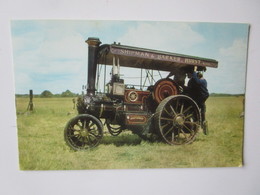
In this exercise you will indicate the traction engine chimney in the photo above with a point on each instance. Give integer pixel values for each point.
(93, 44)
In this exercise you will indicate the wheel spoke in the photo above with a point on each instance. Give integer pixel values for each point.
(179, 131)
(78, 142)
(93, 135)
(93, 129)
(173, 110)
(165, 125)
(187, 109)
(91, 125)
(168, 131)
(73, 135)
(93, 138)
(84, 124)
(191, 123)
(182, 105)
(72, 129)
(177, 104)
(166, 119)
(188, 116)
(96, 137)
(90, 140)
(84, 140)
(77, 124)
(164, 109)
(187, 128)
(94, 132)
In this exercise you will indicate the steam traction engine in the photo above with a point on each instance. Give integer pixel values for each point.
(161, 111)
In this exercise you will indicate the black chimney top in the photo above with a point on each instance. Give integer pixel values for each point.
(93, 44)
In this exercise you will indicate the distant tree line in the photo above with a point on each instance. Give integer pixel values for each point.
(68, 93)
(48, 94)
(225, 95)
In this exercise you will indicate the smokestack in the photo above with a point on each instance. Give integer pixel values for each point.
(93, 44)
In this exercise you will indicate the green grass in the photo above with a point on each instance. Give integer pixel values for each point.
(42, 146)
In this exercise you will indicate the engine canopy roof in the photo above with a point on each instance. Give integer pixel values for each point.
(136, 57)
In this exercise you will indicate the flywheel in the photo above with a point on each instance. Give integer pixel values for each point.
(164, 88)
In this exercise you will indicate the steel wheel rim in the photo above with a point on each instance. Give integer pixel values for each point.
(179, 120)
(83, 132)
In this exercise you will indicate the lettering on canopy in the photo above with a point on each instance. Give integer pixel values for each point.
(163, 57)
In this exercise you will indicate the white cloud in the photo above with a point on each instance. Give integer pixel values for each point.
(62, 55)
(231, 72)
(237, 51)
(50, 55)
(164, 36)
(66, 46)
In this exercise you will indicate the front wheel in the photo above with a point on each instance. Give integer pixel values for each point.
(177, 120)
(83, 132)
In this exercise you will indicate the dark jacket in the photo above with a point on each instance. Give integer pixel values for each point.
(197, 88)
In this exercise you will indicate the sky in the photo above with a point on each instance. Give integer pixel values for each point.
(52, 54)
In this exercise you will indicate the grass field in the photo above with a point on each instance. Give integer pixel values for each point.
(42, 146)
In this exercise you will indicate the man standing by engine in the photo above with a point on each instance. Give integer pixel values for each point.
(197, 90)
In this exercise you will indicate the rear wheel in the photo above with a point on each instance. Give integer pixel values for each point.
(83, 132)
(177, 120)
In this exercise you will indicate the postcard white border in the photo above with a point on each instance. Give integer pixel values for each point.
(237, 181)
